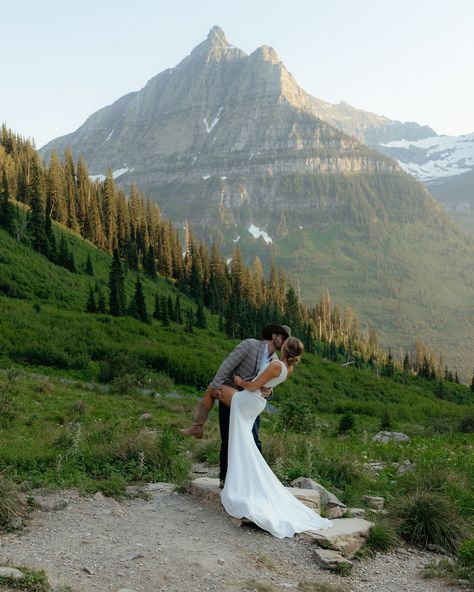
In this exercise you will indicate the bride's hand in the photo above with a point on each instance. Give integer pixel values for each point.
(237, 380)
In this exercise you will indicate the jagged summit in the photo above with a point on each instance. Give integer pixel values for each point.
(216, 37)
(216, 48)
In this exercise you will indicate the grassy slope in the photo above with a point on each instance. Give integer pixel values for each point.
(406, 280)
(68, 433)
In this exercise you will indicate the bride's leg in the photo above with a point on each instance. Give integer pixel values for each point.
(227, 392)
(200, 415)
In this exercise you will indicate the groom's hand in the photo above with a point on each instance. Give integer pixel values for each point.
(266, 391)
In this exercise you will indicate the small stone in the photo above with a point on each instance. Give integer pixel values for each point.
(88, 571)
(220, 561)
(145, 416)
(374, 502)
(136, 556)
(11, 572)
(16, 522)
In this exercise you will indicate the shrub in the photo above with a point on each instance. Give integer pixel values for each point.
(346, 423)
(385, 421)
(467, 424)
(11, 504)
(125, 384)
(32, 581)
(466, 554)
(296, 416)
(427, 517)
(382, 537)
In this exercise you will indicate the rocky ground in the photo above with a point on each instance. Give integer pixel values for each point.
(175, 542)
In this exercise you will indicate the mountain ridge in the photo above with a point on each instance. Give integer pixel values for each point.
(228, 140)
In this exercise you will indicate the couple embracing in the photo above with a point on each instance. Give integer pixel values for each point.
(242, 384)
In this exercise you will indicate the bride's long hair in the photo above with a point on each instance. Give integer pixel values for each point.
(293, 349)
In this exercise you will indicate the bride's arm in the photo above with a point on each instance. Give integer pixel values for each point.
(273, 370)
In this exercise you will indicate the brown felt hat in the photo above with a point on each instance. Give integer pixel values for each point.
(278, 329)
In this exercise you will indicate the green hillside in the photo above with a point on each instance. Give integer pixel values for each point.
(74, 388)
(407, 280)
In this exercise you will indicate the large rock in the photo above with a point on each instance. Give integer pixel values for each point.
(335, 508)
(347, 535)
(208, 488)
(385, 437)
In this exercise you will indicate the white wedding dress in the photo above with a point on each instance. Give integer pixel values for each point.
(251, 489)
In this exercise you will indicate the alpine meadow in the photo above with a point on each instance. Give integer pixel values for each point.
(139, 250)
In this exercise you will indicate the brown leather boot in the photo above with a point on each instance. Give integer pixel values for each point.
(200, 418)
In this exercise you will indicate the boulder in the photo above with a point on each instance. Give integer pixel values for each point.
(208, 488)
(329, 559)
(331, 503)
(385, 437)
(11, 572)
(374, 502)
(347, 535)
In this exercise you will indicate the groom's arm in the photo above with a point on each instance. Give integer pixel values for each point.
(234, 359)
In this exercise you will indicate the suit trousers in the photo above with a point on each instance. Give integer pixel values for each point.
(224, 420)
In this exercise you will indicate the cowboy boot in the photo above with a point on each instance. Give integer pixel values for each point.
(200, 418)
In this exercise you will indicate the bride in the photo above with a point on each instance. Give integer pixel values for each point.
(251, 489)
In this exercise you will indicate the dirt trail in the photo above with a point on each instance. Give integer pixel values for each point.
(174, 542)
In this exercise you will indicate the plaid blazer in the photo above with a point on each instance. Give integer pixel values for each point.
(245, 361)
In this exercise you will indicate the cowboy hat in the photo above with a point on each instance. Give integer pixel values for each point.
(269, 330)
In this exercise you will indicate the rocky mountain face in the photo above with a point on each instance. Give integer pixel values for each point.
(231, 143)
(225, 135)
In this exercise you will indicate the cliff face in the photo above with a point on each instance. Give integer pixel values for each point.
(219, 131)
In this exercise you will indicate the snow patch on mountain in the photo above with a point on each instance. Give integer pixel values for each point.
(214, 123)
(257, 233)
(436, 157)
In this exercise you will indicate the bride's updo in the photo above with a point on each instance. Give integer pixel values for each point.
(293, 349)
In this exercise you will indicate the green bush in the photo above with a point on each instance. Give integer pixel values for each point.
(11, 504)
(428, 518)
(32, 581)
(296, 416)
(466, 554)
(346, 423)
(382, 537)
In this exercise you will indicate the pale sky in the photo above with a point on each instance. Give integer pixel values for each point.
(411, 60)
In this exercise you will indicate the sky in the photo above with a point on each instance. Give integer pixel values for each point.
(410, 60)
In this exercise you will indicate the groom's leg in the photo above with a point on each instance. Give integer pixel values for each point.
(224, 420)
(255, 428)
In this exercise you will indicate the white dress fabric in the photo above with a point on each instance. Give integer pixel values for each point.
(251, 489)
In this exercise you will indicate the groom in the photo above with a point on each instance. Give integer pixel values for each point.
(245, 360)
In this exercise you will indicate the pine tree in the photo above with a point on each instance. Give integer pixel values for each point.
(101, 303)
(116, 286)
(472, 383)
(91, 305)
(70, 188)
(201, 317)
(165, 317)
(157, 310)
(189, 320)
(440, 390)
(149, 264)
(89, 268)
(171, 311)
(36, 219)
(7, 212)
(177, 310)
(140, 304)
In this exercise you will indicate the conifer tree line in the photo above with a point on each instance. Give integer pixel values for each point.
(131, 229)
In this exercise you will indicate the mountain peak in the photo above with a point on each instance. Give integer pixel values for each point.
(216, 38)
(216, 48)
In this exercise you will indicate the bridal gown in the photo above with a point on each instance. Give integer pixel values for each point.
(251, 489)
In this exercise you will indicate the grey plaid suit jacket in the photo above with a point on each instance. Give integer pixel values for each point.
(245, 361)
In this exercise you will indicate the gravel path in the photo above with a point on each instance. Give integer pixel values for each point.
(174, 542)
